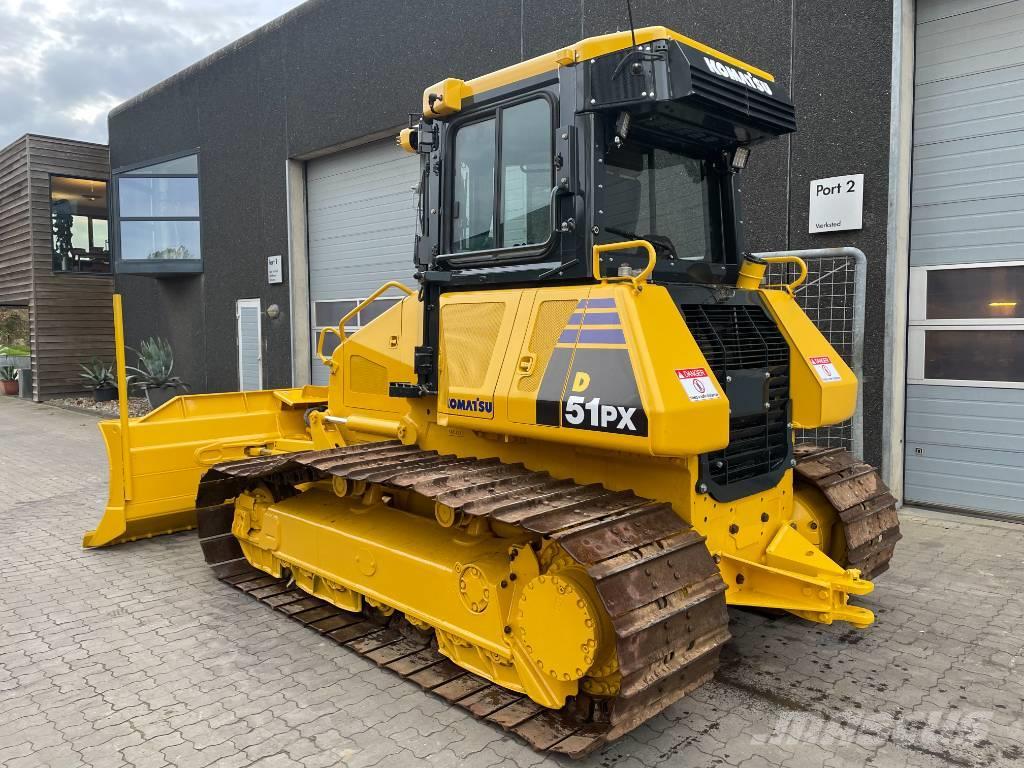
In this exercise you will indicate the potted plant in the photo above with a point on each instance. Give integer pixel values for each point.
(100, 378)
(154, 371)
(9, 380)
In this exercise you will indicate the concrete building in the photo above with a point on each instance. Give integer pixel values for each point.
(266, 176)
(55, 255)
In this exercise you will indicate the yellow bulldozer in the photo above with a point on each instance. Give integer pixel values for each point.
(534, 486)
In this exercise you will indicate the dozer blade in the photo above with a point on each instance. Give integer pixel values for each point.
(155, 473)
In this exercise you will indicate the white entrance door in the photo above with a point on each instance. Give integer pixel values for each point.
(250, 344)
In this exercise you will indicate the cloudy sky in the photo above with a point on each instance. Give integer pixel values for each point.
(65, 63)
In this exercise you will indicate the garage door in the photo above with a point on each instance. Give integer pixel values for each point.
(361, 224)
(965, 394)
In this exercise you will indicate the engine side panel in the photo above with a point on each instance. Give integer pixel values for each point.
(598, 366)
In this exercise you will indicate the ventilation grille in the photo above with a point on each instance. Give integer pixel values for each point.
(468, 335)
(367, 377)
(763, 110)
(744, 338)
(551, 319)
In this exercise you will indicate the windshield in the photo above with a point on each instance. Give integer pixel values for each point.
(660, 196)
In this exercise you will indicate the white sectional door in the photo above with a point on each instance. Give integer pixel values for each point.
(361, 221)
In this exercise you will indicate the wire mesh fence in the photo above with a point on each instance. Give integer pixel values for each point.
(830, 298)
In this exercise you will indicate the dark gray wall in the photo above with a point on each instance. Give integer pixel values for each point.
(333, 71)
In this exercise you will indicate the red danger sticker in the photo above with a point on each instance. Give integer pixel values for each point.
(824, 368)
(697, 384)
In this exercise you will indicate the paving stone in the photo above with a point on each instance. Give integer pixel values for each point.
(136, 656)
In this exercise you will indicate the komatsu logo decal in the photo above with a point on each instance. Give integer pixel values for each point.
(747, 79)
(470, 406)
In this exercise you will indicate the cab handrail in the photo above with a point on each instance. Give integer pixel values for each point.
(340, 330)
(788, 259)
(636, 280)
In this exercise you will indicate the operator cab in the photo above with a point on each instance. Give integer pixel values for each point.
(630, 136)
(633, 135)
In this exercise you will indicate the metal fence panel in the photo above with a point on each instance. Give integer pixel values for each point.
(833, 297)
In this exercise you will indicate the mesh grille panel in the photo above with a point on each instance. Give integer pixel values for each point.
(367, 377)
(551, 319)
(468, 334)
(742, 338)
(829, 297)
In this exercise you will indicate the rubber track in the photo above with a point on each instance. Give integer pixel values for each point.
(865, 507)
(654, 574)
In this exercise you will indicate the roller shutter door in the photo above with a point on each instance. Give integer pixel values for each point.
(965, 393)
(361, 228)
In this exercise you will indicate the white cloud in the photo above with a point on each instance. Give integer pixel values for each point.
(65, 63)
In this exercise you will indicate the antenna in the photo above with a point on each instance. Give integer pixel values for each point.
(632, 29)
(636, 68)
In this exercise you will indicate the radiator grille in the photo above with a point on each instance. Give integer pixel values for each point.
(737, 338)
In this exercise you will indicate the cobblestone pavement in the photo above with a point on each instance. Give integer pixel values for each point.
(136, 655)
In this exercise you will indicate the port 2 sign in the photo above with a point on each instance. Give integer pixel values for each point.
(837, 204)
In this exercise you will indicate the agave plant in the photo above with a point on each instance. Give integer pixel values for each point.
(156, 363)
(8, 373)
(98, 374)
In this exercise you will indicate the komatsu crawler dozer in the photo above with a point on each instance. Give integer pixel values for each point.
(534, 485)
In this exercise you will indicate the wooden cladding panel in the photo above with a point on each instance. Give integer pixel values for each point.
(70, 315)
(15, 225)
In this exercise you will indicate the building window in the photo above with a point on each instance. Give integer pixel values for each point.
(515, 147)
(328, 313)
(78, 218)
(158, 217)
(967, 325)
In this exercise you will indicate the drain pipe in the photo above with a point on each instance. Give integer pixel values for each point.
(860, 287)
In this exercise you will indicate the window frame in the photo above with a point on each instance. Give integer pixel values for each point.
(918, 326)
(499, 255)
(355, 323)
(110, 240)
(716, 217)
(155, 267)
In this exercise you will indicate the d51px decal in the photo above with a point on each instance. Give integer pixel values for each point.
(589, 381)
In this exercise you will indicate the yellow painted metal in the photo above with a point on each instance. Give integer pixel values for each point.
(751, 274)
(168, 449)
(801, 266)
(404, 140)
(657, 344)
(453, 91)
(795, 576)
(637, 280)
(816, 401)
(503, 332)
(340, 331)
(483, 593)
(369, 300)
(320, 343)
(122, 397)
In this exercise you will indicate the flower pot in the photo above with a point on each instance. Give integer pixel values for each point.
(157, 396)
(105, 394)
(9, 387)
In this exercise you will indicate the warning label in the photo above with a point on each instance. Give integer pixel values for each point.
(697, 384)
(824, 368)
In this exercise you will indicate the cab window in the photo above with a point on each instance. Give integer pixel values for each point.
(503, 177)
